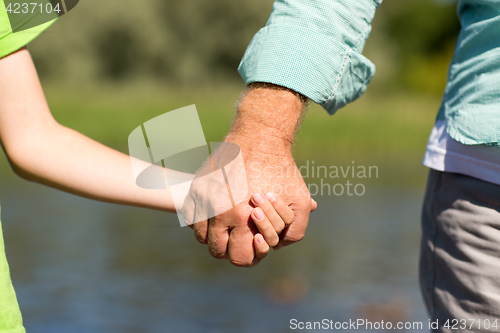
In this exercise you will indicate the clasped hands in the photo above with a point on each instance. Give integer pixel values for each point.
(275, 212)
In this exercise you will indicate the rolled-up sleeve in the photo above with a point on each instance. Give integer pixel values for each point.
(314, 47)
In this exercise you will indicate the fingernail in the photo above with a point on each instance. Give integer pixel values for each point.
(260, 238)
(258, 199)
(258, 213)
(270, 196)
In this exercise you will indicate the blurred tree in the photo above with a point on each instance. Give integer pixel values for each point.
(182, 42)
(211, 36)
(116, 51)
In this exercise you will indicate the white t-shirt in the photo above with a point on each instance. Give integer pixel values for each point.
(445, 154)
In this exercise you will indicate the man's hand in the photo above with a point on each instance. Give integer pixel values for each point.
(264, 129)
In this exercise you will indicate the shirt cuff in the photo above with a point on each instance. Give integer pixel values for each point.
(321, 68)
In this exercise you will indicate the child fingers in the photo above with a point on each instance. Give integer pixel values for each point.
(261, 247)
(286, 213)
(265, 226)
(260, 201)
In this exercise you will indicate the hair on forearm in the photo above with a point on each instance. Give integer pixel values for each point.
(264, 85)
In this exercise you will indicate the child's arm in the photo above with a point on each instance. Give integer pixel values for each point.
(41, 150)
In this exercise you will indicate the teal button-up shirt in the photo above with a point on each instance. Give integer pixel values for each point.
(314, 47)
(471, 102)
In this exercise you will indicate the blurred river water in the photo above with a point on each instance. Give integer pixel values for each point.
(81, 266)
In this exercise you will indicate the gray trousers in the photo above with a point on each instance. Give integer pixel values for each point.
(460, 253)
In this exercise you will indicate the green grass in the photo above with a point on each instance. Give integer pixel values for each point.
(388, 131)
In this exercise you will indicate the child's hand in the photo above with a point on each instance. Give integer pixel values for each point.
(271, 215)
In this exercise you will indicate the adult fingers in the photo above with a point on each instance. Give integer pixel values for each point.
(297, 230)
(200, 231)
(218, 238)
(240, 247)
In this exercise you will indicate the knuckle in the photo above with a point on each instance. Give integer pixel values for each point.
(216, 253)
(201, 240)
(242, 259)
(241, 263)
(241, 214)
(254, 263)
(295, 238)
(200, 236)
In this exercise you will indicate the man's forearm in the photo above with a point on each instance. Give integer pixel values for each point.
(267, 118)
(264, 128)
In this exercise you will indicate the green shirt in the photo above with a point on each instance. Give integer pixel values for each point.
(10, 41)
(10, 315)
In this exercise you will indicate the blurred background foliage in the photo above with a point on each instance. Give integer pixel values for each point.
(195, 42)
(108, 66)
(180, 42)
